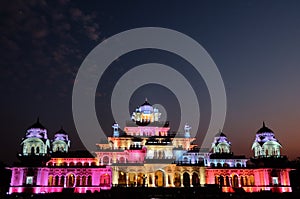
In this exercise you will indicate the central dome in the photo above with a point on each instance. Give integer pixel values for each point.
(146, 107)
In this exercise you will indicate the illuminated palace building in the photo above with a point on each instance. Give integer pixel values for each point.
(146, 154)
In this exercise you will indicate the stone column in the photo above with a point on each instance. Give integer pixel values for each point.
(153, 179)
(147, 179)
(202, 176)
(181, 179)
(58, 183)
(65, 181)
(171, 180)
(166, 180)
(115, 175)
(127, 179)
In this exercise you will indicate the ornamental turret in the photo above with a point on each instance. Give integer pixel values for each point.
(221, 144)
(35, 142)
(187, 129)
(116, 132)
(61, 142)
(265, 143)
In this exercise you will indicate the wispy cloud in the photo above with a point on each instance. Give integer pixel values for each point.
(44, 38)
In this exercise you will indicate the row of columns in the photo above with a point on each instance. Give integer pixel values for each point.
(66, 179)
(168, 179)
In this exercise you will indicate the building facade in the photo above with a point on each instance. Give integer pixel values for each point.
(146, 154)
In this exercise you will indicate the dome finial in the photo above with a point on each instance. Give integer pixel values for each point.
(264, 125)
(146, 100)
(38, 120)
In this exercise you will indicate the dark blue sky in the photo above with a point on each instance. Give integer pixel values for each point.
(255, 44)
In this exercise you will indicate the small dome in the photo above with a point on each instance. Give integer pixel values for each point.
(146, 103)
(220, 134)
(36, 125)
(264, 129)
(61, 131)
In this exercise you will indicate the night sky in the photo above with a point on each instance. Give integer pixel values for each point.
(255, 44)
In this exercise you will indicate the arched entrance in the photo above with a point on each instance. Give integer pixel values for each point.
(140, 179)
(131, 179)
(62, 180)
(50, 180)
(186, 179)
(235, 181)
(159, 178)
(122, 178)
(227, 181)
(70, 180)
(105, 180)
(221, 181)
(177, 182)
(195, 180)
(56, 181)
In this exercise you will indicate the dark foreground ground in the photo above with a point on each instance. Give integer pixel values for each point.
(138, 193)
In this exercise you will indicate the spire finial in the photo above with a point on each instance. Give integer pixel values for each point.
(146, 100)
(38, 120)
(264, 125)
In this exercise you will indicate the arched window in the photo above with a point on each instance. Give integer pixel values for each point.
(62, 180)
(83, 181)
(159, 178)
(217, 180)
(70, 180)
(56, 181)
(242, 181)
(89, 181)
(186, 179)
(37, 150)
(105, 180)
(150, 179)
(71, 164)
(251, 180)
(78, 181)
(221, 181)
(227, 182)
(79, 164)
(50, 180)
(105, 160)
(235, 181)
(122, 178)
(32, 150)
(185, 160)
(195, 180)
(177, 181)
(86, 164)
(121, 160)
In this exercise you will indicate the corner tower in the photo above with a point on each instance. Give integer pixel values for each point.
(35, 142)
